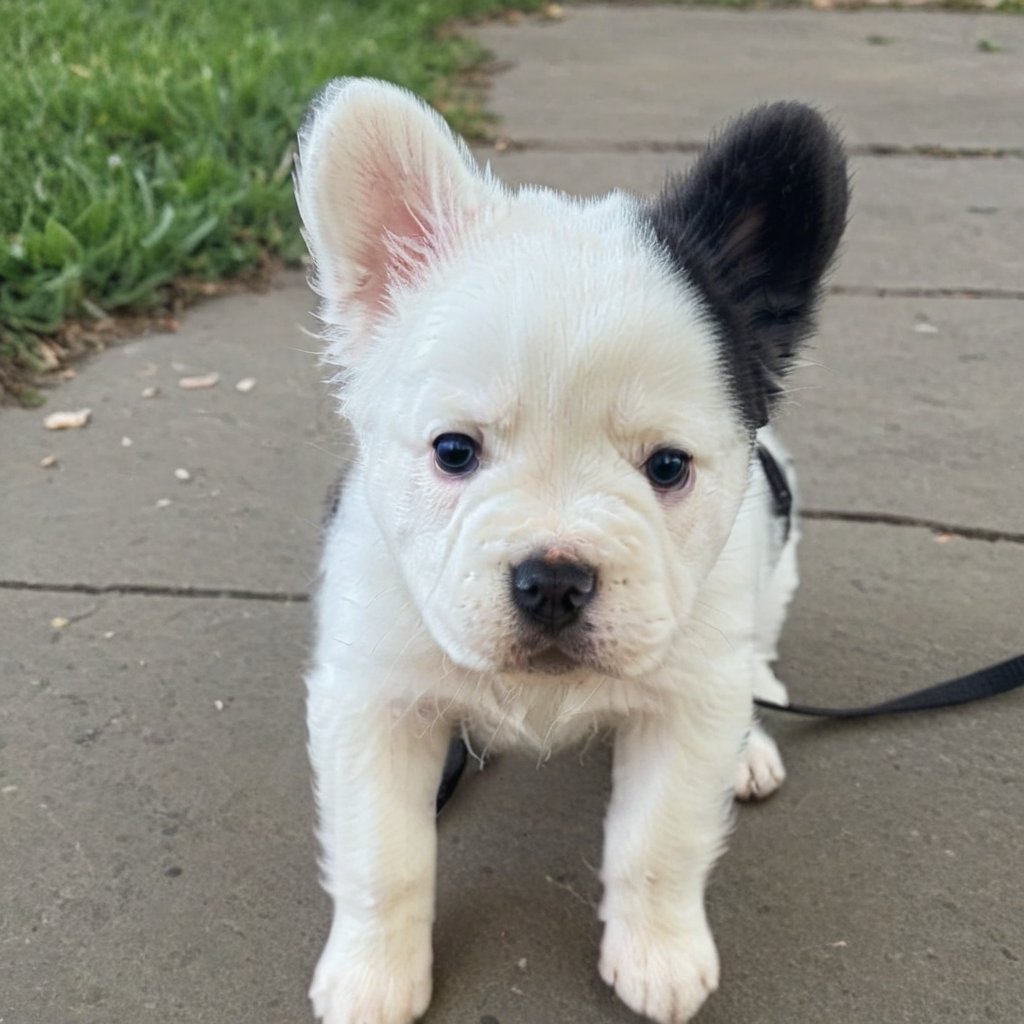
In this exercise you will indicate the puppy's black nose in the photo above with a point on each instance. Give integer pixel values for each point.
(552, 593)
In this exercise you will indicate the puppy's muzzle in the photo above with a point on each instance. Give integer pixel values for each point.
(553, 593)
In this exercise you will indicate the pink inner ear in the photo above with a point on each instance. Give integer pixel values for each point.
(401, 233)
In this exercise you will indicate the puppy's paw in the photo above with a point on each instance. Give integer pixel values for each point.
(663, 976)
(373, 978)
(760, 771)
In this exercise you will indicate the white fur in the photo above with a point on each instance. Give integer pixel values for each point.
(451, 304)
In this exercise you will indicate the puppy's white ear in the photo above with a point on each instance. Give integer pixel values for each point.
(384, 189)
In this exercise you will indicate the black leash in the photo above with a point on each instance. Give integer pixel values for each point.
(986, 682)
(454, 766)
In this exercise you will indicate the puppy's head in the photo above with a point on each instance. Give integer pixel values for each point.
(555, 400)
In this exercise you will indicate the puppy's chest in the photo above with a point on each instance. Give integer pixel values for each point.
(542, 714)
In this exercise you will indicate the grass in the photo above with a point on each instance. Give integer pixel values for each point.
(147, 141)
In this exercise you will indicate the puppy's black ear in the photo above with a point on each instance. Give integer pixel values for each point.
(754, 226)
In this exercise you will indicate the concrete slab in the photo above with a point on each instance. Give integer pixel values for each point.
(159, 859)
(915, 223)
(887, 418)
(156, 850)
(661, 73)
(259, 462)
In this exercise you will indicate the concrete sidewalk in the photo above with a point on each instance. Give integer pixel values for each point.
(156, 852)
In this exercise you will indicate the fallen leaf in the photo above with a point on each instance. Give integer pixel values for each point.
(67, 420)
(206, 380)
(68, 374)
(245, 385)
(48, 461)
(553, 12)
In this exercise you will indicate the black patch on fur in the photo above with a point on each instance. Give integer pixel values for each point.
(754, 226)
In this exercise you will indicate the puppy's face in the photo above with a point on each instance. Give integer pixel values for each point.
(549, 446)
(555, 401)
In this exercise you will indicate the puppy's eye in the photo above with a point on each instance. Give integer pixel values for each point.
(668, 468)
(456, 454)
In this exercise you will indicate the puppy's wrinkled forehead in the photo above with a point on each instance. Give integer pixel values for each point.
(558, 309)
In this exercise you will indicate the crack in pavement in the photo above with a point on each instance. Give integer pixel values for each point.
(932, 151)
(872, 291)
(895, 519)
(980, 533)
(159, 590)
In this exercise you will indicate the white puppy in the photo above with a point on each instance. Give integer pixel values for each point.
(558, 517)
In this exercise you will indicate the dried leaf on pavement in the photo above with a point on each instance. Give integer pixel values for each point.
(67, 420)
(206, 380)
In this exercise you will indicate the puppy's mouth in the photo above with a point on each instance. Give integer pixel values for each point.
(551, 661)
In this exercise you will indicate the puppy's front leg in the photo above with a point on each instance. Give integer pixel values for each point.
(377, 772)
(665, 827)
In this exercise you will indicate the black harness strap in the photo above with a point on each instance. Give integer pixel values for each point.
(782, 494)
(986, 682)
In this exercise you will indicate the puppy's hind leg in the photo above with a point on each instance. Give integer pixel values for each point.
(760, 771)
